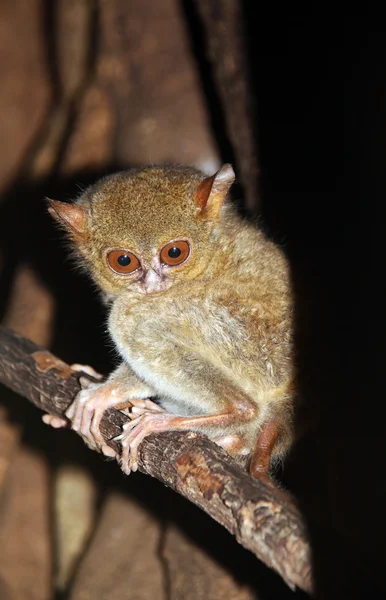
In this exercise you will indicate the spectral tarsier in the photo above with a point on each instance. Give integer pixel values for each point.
(200, 312)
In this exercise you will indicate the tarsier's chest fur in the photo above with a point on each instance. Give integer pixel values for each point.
(169, 338)
(200, 306)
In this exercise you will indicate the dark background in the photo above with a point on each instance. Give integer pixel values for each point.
(321, 121)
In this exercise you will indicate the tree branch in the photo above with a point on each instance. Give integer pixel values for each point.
(261, 518)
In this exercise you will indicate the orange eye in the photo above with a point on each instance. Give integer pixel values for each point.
(122, 262)
(175, 253)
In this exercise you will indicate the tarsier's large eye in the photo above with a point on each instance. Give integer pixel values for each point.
(122, 261)
(175, 253)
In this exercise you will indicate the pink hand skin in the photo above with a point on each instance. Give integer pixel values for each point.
(84, 415)
(87, 410)
(57, 422)
(144, 420)
(145, 417)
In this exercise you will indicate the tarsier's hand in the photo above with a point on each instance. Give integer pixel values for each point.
(86, 412)
(57, 422)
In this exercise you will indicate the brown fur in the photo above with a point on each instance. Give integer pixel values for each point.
(217, 338)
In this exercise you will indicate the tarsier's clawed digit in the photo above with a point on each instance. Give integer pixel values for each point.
(57, 422)
(200, 313)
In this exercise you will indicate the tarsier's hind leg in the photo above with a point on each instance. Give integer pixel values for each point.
(145, 422)
(259, 459)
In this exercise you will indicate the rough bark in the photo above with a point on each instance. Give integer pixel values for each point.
(261, 519)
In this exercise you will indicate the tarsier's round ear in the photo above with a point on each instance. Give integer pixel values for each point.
(72, 216)
(212, 191)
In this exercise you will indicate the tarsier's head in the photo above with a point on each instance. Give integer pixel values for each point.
(146, 229)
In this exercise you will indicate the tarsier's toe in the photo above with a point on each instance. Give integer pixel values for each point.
(143, 404)
(134, 432)
(125, 463)
(55, 422)
(129, 455)
(139, 406)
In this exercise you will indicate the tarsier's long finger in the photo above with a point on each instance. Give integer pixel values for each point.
(70, 412)
(55, 422)
(75, 412)
(86, 369)
(98, 413)
(85, 426)
(85, 383)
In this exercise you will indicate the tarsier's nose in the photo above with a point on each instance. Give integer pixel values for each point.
(151, 281)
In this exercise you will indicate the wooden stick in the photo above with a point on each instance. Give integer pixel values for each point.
(261, 518)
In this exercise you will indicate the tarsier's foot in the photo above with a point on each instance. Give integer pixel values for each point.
(57, 422)
(145, 420)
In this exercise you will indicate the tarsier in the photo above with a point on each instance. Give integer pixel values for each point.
(200, 312)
